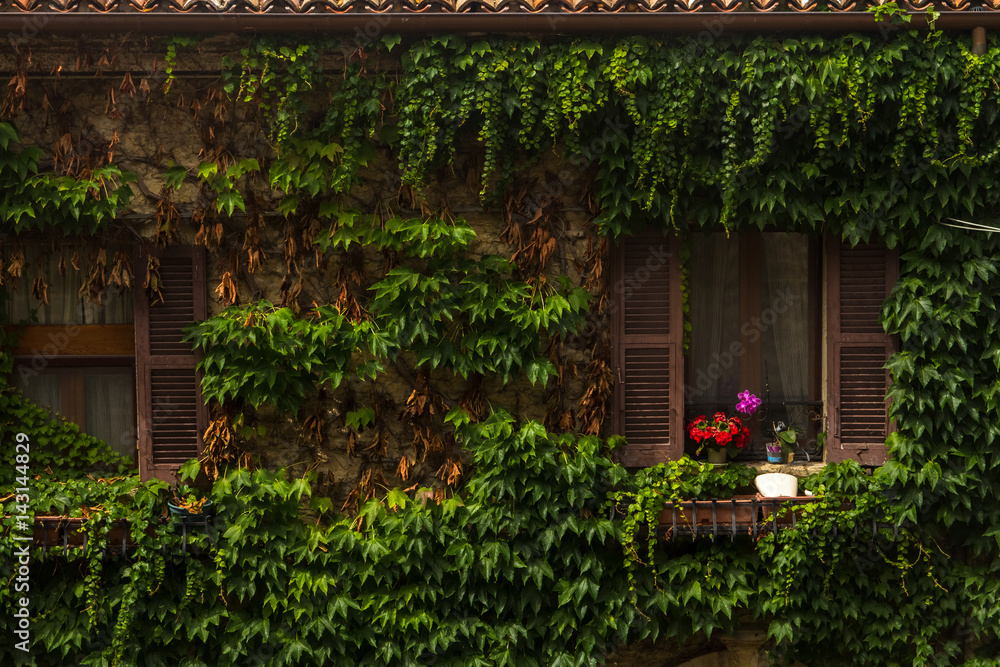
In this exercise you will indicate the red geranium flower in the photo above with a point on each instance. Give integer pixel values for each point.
(718, 432)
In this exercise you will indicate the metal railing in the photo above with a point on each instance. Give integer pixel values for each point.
(68, 533)
(748, 516)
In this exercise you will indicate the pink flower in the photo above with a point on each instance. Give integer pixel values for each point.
(748, 403)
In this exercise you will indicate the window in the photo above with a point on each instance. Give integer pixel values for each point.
(100, 399)
(794, 320)
(76, 357)
(858, 280)
(118, 367)
(754, 308)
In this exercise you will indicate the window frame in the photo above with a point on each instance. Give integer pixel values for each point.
(72, 372)
(41, 347)
(870, 451)
(94, 341)
(751, 272)
(162, 447)
(167, 409)
(669, 443)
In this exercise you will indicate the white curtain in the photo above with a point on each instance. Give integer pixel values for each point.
(65, 305)
(115, 308)
(785, 290)
(110, 401)
(44, 390)
(713, 278)
(40, 262)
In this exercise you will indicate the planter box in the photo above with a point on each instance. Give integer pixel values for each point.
(783, 511)
(732, 516)
(58, 531)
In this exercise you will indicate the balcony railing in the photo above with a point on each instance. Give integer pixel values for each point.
(68, 532)
(742, 516)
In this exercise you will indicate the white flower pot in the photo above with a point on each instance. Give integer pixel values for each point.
(777, 484)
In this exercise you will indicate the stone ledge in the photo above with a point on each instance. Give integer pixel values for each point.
(798, 468)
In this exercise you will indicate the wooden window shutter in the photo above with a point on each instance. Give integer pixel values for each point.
(859, 279)
(649, 333)
(171, 413)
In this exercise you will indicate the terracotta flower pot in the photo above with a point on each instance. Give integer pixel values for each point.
(57, 531)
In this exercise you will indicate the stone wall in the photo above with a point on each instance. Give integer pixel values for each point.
(89, 101)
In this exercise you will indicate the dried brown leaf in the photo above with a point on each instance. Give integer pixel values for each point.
(153, 285)
(227, 293)
(16, 265)
(403, 469)
(40, 290)
(127, 87)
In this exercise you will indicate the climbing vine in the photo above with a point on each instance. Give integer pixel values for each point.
(39, 200)
(789, 131)
(514, 557)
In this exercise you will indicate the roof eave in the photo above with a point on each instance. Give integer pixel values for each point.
(372, 24)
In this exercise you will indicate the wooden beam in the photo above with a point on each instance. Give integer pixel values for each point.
(60, 340)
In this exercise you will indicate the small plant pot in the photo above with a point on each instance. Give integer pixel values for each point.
(717, 455)
(777, 485)
(186, 516)
(58, 531)
(780, 454)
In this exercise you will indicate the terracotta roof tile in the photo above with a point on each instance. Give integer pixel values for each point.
(402, 8)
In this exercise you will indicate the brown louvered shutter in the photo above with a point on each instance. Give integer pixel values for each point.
(858, 281)
(171, 414)
(649, 332)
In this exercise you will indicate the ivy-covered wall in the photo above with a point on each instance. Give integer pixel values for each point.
(344, 182)
(205, 169)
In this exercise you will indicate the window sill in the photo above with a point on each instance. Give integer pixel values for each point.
(54, 340)
(798, 468)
